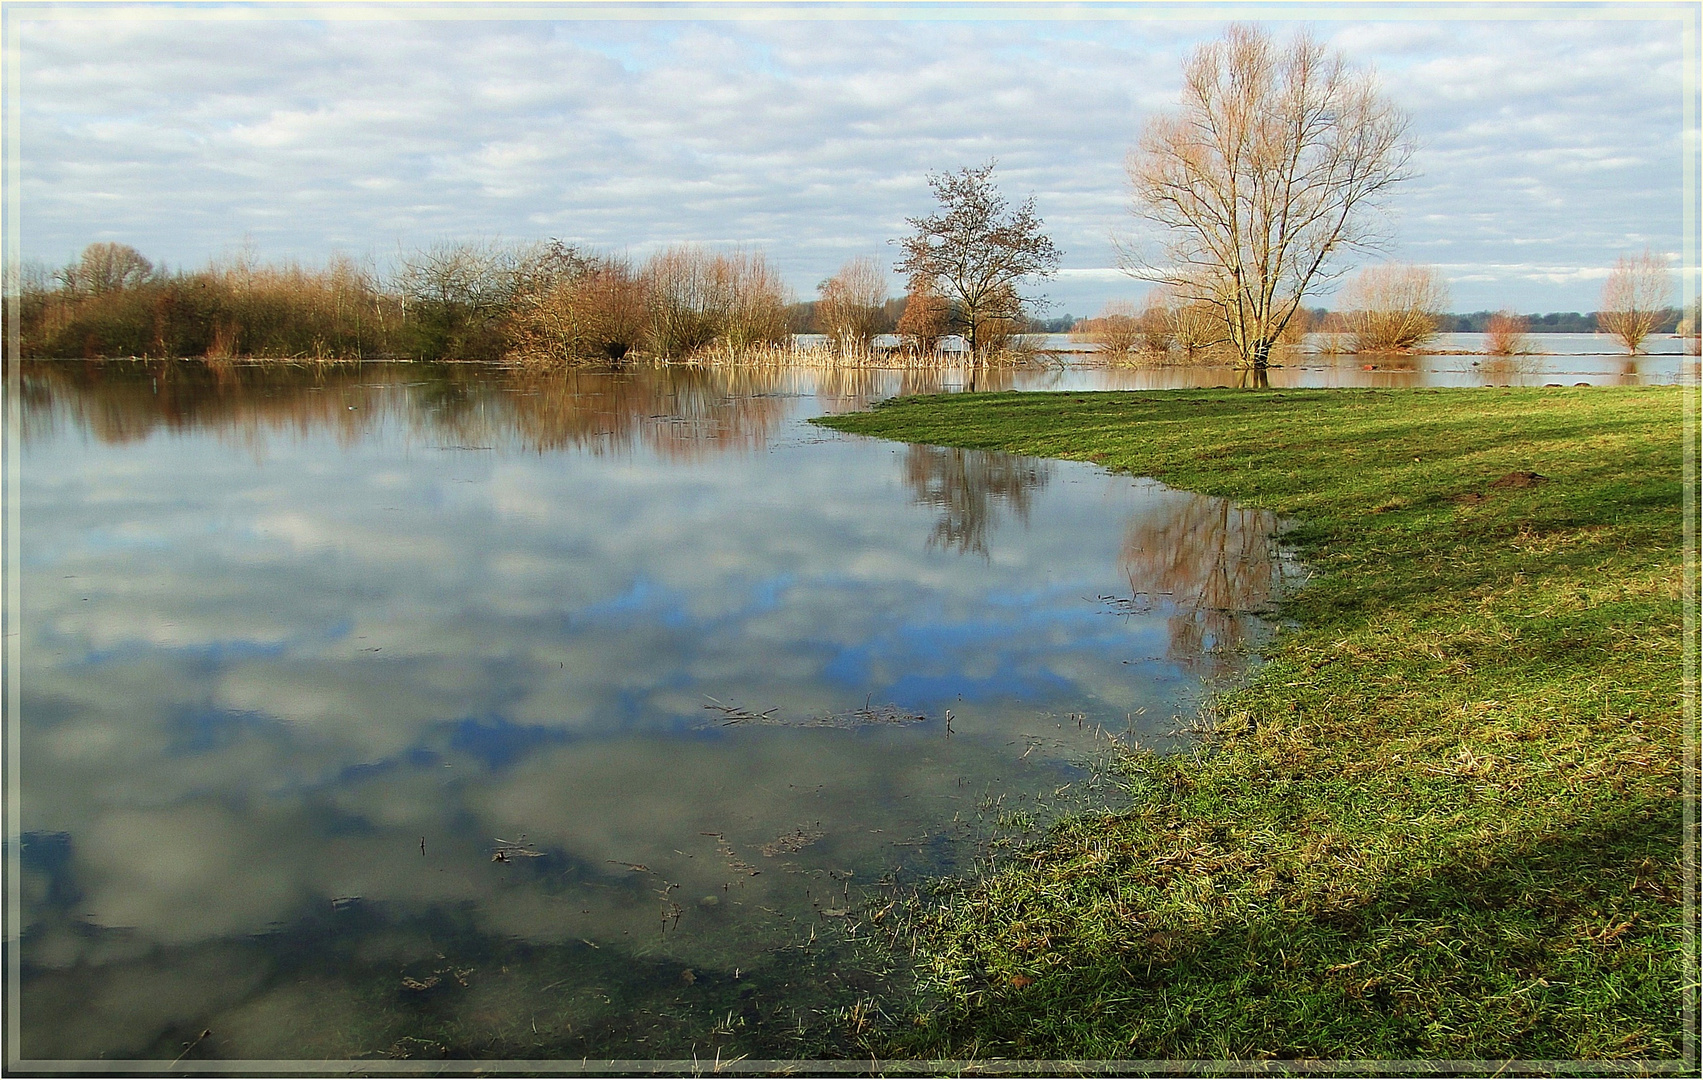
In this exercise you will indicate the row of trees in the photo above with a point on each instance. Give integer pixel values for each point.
(543, 302)
(1382, 309)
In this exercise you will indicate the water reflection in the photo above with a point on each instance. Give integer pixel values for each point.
(1220, 569)
(968, 488)
(283, 710)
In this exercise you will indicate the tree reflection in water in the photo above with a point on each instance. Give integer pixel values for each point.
(1220, 569)
(967, 486)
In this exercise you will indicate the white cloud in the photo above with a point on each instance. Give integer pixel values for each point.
(810, 138)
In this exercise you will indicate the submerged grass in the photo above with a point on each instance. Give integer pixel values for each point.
(1450, 816)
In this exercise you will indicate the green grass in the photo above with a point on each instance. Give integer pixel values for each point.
(1443, 820)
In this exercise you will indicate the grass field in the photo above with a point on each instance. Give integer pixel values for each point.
(1446, 818)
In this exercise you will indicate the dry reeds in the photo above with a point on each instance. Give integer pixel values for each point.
(1393, 308)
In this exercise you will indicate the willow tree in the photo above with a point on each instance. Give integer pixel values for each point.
(1263, 179)
(1634, 299)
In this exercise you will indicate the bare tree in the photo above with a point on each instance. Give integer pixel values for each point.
(1633, 298)
(1263, 178)
(105, 268)
(1394, 307)
(851, 303)
(976, 252)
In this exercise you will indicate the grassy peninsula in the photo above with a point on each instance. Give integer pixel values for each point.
(1447, 818)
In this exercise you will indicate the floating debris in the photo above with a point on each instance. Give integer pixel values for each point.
(1138, 604)
(793, 842)
(508, 850)
(866, 716)
(734, 862)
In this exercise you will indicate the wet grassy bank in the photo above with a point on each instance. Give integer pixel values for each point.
(1446, 819)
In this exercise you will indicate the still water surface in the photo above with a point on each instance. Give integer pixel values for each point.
(411, 711)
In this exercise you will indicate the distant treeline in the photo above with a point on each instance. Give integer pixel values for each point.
(1556, 322)
(548, 302)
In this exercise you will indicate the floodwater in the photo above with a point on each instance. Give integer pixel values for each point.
(413, 711)
(1456, 360)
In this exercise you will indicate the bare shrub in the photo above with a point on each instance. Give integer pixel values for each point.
(1690, 327)
(455, 296)
(1393, 307)
(1195, 328)
(575, 307)
(698, 300)
(1633, 298)
(684, 302)
(1116, 331)
(1506, 334)
(851, 304)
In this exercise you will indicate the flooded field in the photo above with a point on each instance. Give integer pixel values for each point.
(420, 711)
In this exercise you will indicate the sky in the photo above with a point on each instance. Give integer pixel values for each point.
(1548, 143)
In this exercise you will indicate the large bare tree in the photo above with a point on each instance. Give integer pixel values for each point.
(977, 253)
(1633, 299)
(1263, 178)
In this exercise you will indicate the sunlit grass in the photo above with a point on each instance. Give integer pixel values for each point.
(1442, 821)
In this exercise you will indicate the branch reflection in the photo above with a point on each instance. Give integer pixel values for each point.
(1219, 568)
(967, 486)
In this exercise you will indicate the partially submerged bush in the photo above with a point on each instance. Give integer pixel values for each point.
(1633, 299)
(573, 307)
(1394, 307)
(924, 322)
(1505, 334)
(698, 300)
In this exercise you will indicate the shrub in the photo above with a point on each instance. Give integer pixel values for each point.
(1505, 334)
(1393, 307)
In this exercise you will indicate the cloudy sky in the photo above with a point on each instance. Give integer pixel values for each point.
(1549, 142)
